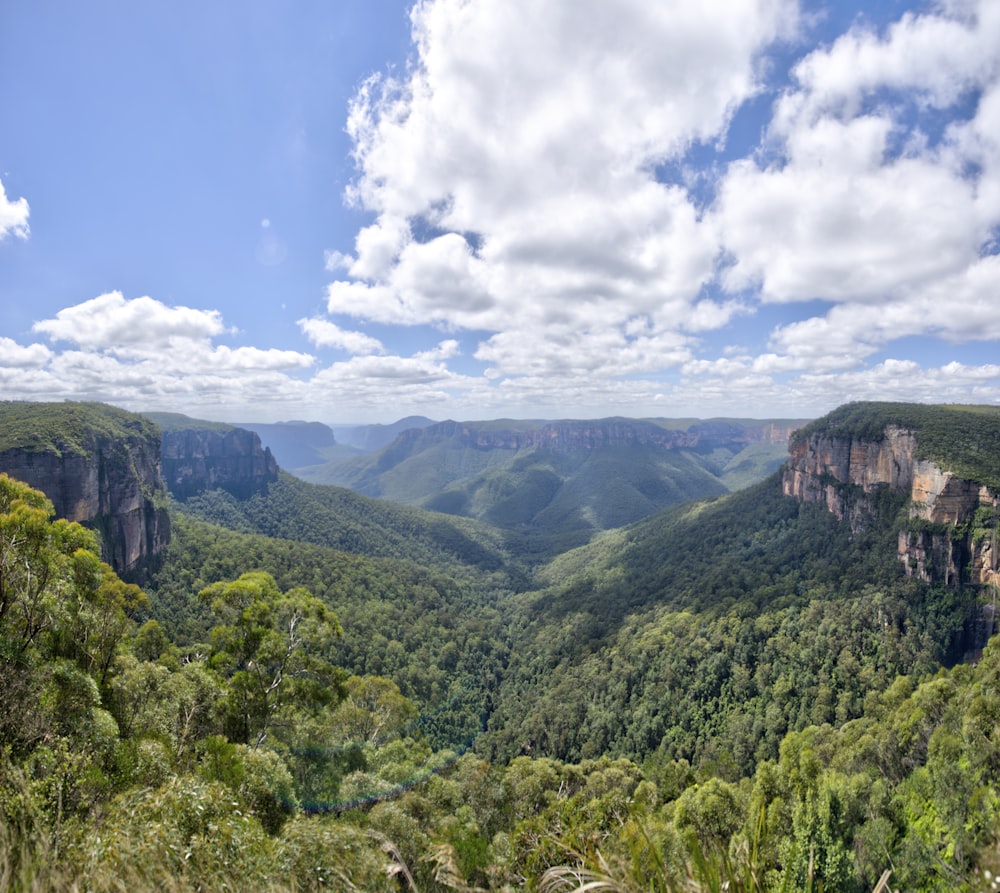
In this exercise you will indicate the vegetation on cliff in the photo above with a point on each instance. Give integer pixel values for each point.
(68, 427)
(740, 694)
(964, 440)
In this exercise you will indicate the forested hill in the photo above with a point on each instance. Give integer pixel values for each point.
(293, 509)
(766, 690)
(557, 483)
(710, 631)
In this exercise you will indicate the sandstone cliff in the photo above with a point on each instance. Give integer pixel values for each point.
(946, 535)
(100, 466)
(198, 457)
(566, 436)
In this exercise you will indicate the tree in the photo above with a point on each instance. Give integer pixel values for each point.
(270, 646)
(38, 561)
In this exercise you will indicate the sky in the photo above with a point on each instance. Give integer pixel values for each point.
(352, 211)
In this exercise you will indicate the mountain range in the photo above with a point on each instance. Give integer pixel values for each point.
(555, 483)
(604, 636)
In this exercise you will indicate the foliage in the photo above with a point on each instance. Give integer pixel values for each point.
(962, 439)
(515, 476)
(329, 516)
(267, 647)
(741, 694)
(68, 427)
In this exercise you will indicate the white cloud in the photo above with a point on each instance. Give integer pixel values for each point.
(839, 221)
(13, 216)
(32, 357)
(940, 56)
(109, 322)
(324, 333)
(522, 145)
(536, 175)
(860, 202)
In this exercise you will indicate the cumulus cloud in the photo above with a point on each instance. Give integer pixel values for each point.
(561, 184)
(176, 364)
(512, 172)
(13, 216)
(111, 322)
(864, 201)
(324, 333)
(32, 356)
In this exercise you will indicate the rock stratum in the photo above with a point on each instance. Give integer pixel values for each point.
(196, 459)
(111, 470)
(100, 466)
(568, 436)
(949, 531)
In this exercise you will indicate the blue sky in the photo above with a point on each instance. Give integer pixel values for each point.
(357, 210)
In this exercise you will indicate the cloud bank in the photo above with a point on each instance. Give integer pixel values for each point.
(632, 208)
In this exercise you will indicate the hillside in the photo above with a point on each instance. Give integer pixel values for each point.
(761, 612)
(782, 688)
(293, 509)
(557, 483)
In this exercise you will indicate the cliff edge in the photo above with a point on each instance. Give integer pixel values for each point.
(99, 466)
(944, 459)
(199, 455)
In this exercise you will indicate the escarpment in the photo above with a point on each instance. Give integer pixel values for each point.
(100, 466)
(572, 435)
(948, 533)
(206, 456)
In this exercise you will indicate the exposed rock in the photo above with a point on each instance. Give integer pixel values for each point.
(585, 435)
(842, 472)
(206, 458)
(101, 469)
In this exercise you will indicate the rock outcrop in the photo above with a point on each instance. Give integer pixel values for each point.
(99, 466)
(585, 435)
(939, 541)
(199, 458)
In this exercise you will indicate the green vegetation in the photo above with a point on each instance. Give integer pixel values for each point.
(439, 638)
(708, 633)
(962, 439)
(330, 516)
(75, 428)
(554, 485)
(319, 691)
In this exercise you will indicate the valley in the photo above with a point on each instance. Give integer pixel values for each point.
(647, 653)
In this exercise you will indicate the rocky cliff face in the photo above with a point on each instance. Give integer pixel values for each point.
(106, 479)
(940, 542)
(582, 435)
(200, 458)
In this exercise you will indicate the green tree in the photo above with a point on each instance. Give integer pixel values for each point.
(271, 648)
(38, 561)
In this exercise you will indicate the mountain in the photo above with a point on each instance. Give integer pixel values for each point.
(295, 510)
(779, 688)
(369, 438)
(200, 456)
(945, 460)
(297, 444)
(560, 482)
(709, 632)
(98, 465)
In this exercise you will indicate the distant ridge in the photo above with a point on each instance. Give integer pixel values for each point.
(296, 444)
(563, 480)
(369, 438)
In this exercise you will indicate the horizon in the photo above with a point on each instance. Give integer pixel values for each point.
(758, 209)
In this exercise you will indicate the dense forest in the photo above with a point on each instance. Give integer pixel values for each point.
(320, 691)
